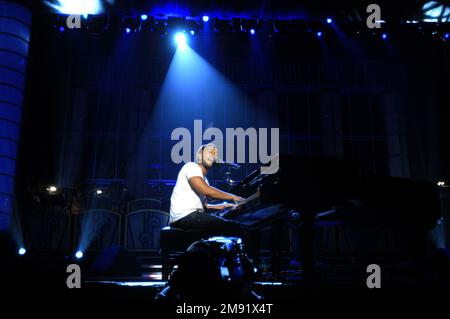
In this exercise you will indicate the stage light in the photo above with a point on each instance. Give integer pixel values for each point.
(82, 7)
(131, 24)
(319, 34)
(180, 40)
(247, 25)
(144, 17)
(192, 26)
(441, 184)
(282, 26)
(79, 254)
(205, 18)
(99, 192)
(22, 251)
(446, 35)
(62, 29)
(225, 273)
(52, 189)
(435, 11)
(384, 36)
(329, 20)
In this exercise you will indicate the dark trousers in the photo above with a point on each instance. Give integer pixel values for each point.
(210, 224)
(215, 226)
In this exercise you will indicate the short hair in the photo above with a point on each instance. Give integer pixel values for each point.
(199, 154)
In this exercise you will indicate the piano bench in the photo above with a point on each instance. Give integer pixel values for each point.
(174, 242)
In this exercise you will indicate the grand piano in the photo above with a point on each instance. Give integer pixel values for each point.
(331, 189)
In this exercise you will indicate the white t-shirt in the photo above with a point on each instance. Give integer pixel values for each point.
(184, 199)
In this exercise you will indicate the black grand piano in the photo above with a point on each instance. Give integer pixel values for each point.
(327, 189)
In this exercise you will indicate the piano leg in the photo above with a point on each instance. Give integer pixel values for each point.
(306, 244)
(252, 246)
(276, 234)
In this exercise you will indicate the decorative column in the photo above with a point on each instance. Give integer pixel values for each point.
(15, 21)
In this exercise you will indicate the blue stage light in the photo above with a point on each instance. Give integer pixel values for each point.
(384, 36)
(62, 29)
(319, 34)
(127, 30)
(79, 254)
(22, 251)
(205, 18)
(144, 17)
(329, 20)
(252, 31)
(180, 40)
(84, 7)
(192, 32)
(446, 35)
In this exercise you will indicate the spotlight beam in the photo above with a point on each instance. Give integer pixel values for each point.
(180, 40)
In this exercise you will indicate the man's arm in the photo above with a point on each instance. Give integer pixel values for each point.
(200, 186)
(219, 206)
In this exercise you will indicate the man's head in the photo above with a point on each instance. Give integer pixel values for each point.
(206, 155)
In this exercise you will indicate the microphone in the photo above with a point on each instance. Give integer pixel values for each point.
(228, 164)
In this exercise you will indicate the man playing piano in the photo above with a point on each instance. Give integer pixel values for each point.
(189, 198)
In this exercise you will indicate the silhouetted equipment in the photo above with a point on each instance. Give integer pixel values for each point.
(322, 189)
(212, 269)
(115, 261)
(174, 242)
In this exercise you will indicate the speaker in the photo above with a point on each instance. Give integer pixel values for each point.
(115, 261)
